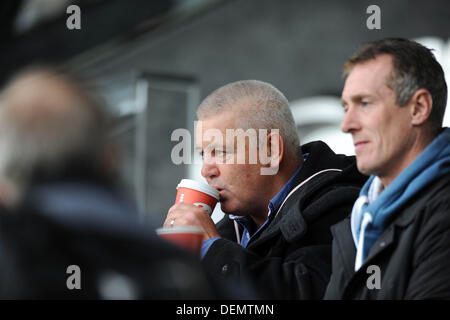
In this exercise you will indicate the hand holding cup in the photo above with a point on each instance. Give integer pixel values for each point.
(193, 206)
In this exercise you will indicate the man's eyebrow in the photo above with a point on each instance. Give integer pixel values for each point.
(362, 96)
(210, 146)
(356, 97)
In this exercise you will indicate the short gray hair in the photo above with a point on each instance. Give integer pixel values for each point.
(261, 106)
(47, 120)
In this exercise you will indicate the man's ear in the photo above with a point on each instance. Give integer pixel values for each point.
(275, 148)
(420, 106)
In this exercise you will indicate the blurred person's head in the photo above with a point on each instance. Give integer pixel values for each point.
(394, 97)
(248, 105)
(50, 128)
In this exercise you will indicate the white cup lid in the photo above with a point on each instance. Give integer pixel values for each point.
(200, 186)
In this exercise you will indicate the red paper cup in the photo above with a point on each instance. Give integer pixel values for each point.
(187, 237)
(197, 193)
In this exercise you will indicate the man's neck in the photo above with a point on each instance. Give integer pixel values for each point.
(407, 158)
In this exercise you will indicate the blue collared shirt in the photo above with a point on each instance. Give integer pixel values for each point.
(250, 229)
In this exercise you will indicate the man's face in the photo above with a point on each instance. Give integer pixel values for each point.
(381, 130)
(241, 186)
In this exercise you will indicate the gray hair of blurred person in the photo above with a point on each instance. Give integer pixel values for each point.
(47, 119)
(258, 105)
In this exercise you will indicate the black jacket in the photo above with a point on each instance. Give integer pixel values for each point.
(412, 254)
(291, 257)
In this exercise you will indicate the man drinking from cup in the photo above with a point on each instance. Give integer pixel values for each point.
(279, 204)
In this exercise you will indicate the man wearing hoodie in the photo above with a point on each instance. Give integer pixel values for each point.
(395, 245)
(279, 206)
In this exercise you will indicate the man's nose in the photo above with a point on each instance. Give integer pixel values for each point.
(349, 122)
(209, 169)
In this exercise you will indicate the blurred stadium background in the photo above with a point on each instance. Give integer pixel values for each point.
(153, 61)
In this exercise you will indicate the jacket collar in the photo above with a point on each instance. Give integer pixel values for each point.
(402, 219)
(342, 236)
(292, 224)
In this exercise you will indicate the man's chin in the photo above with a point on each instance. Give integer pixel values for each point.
(365, 170)
(226, 208)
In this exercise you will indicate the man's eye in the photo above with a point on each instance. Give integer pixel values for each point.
(219, 153)
(364, 103)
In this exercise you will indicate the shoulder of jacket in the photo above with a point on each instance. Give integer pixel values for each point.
(423, 207)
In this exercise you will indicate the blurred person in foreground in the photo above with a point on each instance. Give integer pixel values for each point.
(278, 207)
(64, 209)
(396, 245)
